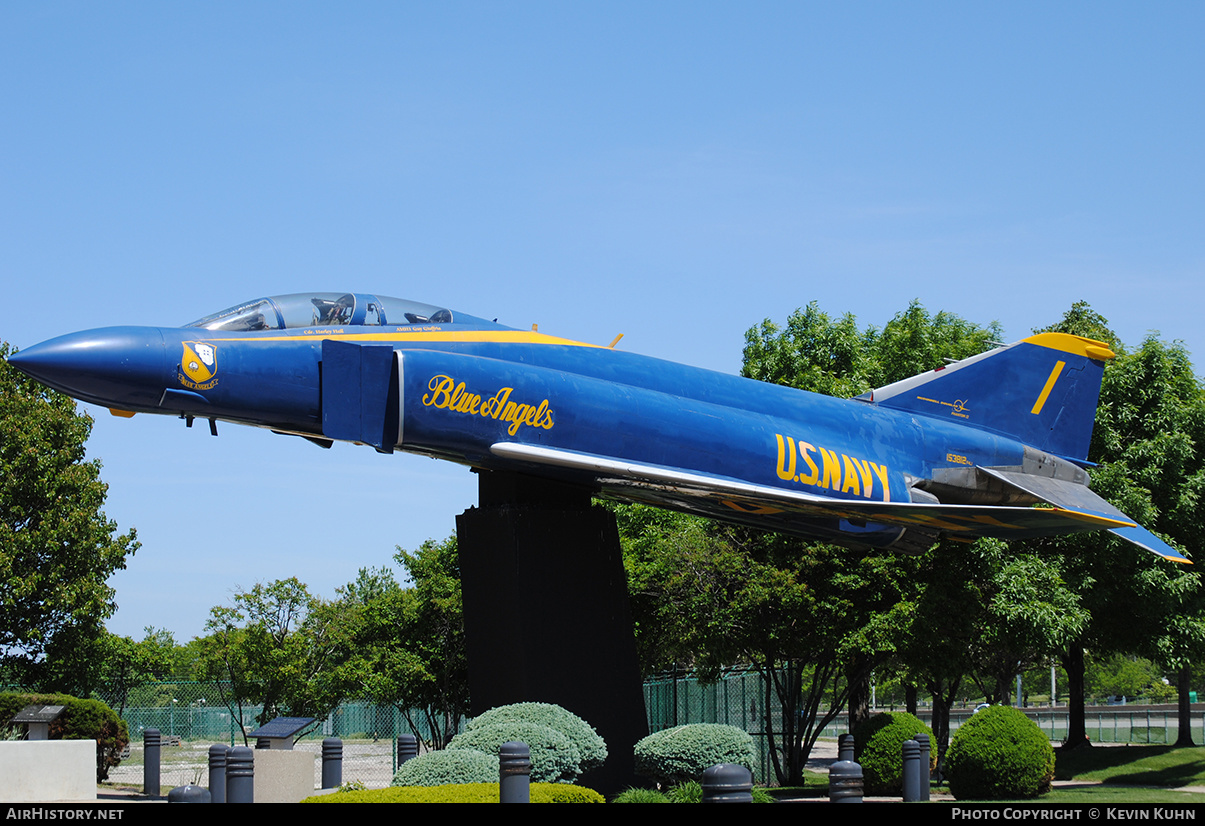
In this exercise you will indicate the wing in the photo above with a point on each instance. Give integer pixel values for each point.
(801, 513)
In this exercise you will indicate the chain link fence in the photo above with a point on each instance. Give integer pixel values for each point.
(191, 716)
(738, 698)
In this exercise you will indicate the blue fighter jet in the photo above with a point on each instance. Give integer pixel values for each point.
(994, 445)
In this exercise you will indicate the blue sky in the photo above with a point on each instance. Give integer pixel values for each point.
(673, 171)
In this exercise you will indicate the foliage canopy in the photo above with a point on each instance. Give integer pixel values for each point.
(57, 548)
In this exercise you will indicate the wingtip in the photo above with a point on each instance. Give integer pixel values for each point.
(1146, 540)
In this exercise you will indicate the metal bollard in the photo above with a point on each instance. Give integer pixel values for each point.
(925, 777)
(845, 782)
(407, 747)
(514, 773)
(217, 772)
(189, 794)
(727, 783)
(332, 763)
(911, 754)
(240, 775)
(845, 747)
(151, 745)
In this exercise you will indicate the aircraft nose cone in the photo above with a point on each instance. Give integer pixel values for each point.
(121, 367)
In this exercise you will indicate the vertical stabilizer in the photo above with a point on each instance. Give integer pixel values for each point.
(1041, 390)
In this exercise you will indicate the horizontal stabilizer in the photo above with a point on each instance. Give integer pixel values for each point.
(1075, 497)
(1058, 492)
(1143, 538)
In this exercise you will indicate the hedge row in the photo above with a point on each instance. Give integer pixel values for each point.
(80, 720)
(461, 793)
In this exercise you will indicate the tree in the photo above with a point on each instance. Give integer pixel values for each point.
(814, 352)
(1124, 676)
(817, 353)
(407, 646)
(710, 596)
(1149, 447)
(815, 620)
(128, 664)
(109, 662)
(937, 640)
(1029, 616)
(276, 646)
(57, 548)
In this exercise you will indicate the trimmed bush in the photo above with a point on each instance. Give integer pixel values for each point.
(878, 745)
(461, 793)
(681, 754)
(553, 758)
(436, 768)
(80, 720)
(591, 747)
(999, 754)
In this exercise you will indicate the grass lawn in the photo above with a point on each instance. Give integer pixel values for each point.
(1127, 775)
(1118, 796)
(815, 784)
(1163, 766)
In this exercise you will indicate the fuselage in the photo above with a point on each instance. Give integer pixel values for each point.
(993, 445)
(457, 380)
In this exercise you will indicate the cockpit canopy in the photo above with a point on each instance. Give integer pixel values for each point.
(281, 312)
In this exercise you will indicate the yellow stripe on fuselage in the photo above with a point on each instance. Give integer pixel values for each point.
(401, 334)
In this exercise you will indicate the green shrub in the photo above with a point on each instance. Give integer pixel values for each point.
(681, 754)
(553, 758)
(591, 747)
(437, 768)
(461, 793)
(80, 720)
(640, 796)
(999, 754)
(691, 792)
(878, 749)
(760, 795)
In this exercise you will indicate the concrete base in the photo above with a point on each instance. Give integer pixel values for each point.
(546, 612)
(47, 771)
(283, 776)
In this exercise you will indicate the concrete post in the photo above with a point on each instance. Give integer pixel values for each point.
(189, 794)
(217, 772)
(845, 747)
(514, 773)
(407, 747)
(332, 763)
(240, 775)
(925, 778)
(845, 782)
(911, 755)
(151, 745)
(727, 783)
